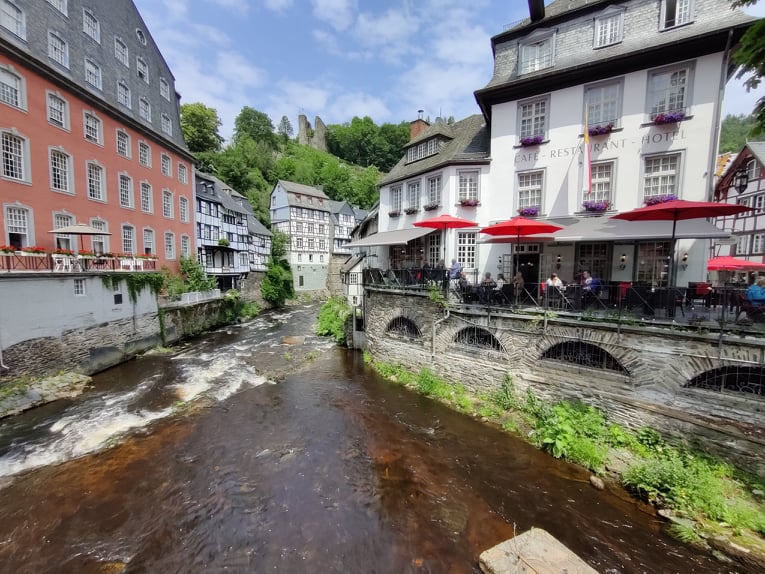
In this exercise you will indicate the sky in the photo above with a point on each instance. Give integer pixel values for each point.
(386, 59)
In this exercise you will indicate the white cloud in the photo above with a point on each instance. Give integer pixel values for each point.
(240, 6)
(235, 70)
(339, 14)
(175, 9)
(205, 34)
(278, 5)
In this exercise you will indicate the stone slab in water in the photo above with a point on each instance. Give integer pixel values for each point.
(535, 551)
(22, 397)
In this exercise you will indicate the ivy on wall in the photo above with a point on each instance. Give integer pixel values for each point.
(135, 282)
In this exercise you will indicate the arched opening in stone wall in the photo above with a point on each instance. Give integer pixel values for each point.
(404, 327)
(737, 379)
(478, 337)
(585, 355)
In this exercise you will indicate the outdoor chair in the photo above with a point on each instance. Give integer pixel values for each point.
(754, 313)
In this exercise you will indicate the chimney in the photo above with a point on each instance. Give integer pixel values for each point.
(417, 126)
(537, 10)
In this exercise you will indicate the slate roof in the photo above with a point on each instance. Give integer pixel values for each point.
(351, 262)
(758, 151)
(469, 143)
(302, 189)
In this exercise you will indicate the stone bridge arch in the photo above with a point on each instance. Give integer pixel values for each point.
(403, 326)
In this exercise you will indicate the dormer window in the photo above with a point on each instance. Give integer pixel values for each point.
(675, 13)
(537, 52)
(423, 149)
(608, 28)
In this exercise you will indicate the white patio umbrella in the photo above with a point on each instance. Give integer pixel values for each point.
(80, 229)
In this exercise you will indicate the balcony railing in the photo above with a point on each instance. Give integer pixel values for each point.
(46, 262)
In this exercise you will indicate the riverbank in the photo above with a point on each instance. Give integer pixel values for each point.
(23, 394)
(706, 503)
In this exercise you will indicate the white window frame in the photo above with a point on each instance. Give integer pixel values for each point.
(603, 178)
(183, 209)
(413, 193)
(662, 179)
(466, 248)
(533, 117)
(531, 186)
(93, 74)
(185, 246)
(122, 142)
(142, 69)
(19, 220)
(99, 243)
(62, 219)
(536, 52)
(434, 190)
(20, 164)
(121, 52)
(90, 25)
(149, 244)
(668, 91)
(468, 184)
(396, 193)
(13, 18)
(167, 204)
(609, 28)
(164, 89)
(60, 5)
(144, 154)
(95, 185)
(169, 245)
(603, 103)
(58, 172)
(166, 124)
(58, 49)
(93, 128)
(124, 97)
(758, 246)
(128, 239)
(166, 165)
(52, 101)
(14, 96)
(125, 191)
(144, 109)
(79, 287)
(676, 13)
(147, 197)
(183, 173)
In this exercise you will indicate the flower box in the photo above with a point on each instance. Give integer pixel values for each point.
(532, 211)
(411, 210)
(7, 249)
(596, 206)
(656, 199)
(668, 118)
(531, 140)
(600, 130)
(63, 252)
(33, 250)
(430, 206)
(468, 202)
(394, 213)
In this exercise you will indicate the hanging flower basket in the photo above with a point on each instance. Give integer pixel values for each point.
(656, 199)
(532, 211)
(411, 210)
(471, 202)
(531, 140)
(596, 206)
(668, 118)
(394, 213)
(600, 130)
(430, 206)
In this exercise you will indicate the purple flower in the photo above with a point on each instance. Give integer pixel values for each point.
(595, 205)
(470, 202)
(394, 213)
(600, 130)
(531, 140)
(529, 211)
(430, 206)
(411, 210)
(656, 199)
(668, 118)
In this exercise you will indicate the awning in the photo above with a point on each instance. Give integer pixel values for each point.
(607, 229)
(398, 237)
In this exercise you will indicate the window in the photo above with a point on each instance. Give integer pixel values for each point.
(62, 220)
(79, 287)
(169, 246)
(395, 199)
(59, 5)
(148, 242)
(753, 170)
(603, 103)
(602, 180)
(467, 186)
(167, 125)
(147, 201)
(532, 117)
(140, 35)
(185, 246)
(123, 95)
(93, 131)
(759, 203)
(58, 111)
(164, 89)
(757, 243)
(90, 25)
(466, 248)
(653, 262)
(93, 74)
(123, 143)
(434, 191)
(126, 191)
(167, 204)
(142, 69)
(413, 195)
(668, 90)
(167, 166)
(530, 189)
(144, 154)
(608, 30)
(15, 156)
(537, 55)
(95, 175)
(183, 209)
(17, 224)
(660, 175)
(98, 242)
(121, 52)
(60, 171)
(12, 89)
(298, 227)
(299, 243)
(423, 149)
(183, 173)
(675, 13)
(128, 239)
(144, 109)
(434, 247)
(12, 18)
(58, 50)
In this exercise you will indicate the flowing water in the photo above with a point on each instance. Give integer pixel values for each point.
(199, 462)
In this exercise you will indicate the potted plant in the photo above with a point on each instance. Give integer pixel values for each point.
(411, 210)
(531, 140)
(655, 199)
(33, 250)
(469, 202)
(430, 206)
(668, 118)
(595, 206)
(223, 242)
(600, 130)
(7, 249)
(531, 211)
(394, 213)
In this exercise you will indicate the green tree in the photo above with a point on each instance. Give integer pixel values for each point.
(285, 129)
(276, 286)
(735, 132)
(199, 125)
(363, 143)
(194, 275)
(751, 58)
(255, 125)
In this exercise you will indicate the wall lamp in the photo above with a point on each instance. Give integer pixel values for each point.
(623, 261)
(741, 179)
(684, 262)
(557, 262)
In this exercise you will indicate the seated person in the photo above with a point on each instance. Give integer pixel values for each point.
(500, 282)
(455, 270)
(756, 293)
(590, 288)
(487, 286)
(554, 281)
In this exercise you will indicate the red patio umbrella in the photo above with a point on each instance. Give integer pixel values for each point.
(520, 226)
(733, 264)
(677, 210)
(444, 222)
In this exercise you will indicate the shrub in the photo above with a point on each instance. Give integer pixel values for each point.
(332, 317)
(276, 286)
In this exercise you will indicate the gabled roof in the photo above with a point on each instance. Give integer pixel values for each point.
(255, 227)
(758, 151)
(351, 262)
(360, 214)
(439, 128)
(222, 192)
(302, 189)
(469, 144)
(751, 150)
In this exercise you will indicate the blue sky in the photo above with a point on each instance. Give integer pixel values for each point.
(341, 58)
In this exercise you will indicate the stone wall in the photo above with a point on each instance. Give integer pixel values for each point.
(250, 288)
(181, 322)
(651, 393)
(334, 278)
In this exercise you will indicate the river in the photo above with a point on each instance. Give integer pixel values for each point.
(199, 462)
